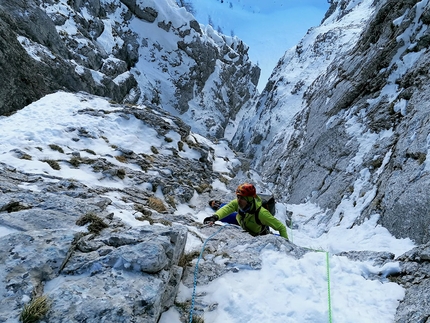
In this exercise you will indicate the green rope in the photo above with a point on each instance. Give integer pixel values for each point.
(328, 287)
(315, 250)
(328, 273)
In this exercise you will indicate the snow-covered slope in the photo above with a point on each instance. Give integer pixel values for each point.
(285, 93)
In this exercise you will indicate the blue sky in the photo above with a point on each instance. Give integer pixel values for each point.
(269, 28)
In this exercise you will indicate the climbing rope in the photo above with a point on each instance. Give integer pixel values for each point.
(328, 273)
(196, 270)
(327, 257)
(328, 287)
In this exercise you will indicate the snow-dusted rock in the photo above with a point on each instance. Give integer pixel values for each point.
(415, 277)
(132, 274)
(359, 136)
(129, 51)
(285, 94)
(67, 240)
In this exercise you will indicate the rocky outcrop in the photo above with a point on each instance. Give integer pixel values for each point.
(146, 13)
(208, 76)
(129, 51)
(361, 139)
(36, 60)
(67, 242)
(415, 277)
(122, 273)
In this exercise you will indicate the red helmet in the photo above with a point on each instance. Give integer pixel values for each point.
(246, 189)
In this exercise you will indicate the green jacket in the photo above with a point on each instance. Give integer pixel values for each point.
(248, 221)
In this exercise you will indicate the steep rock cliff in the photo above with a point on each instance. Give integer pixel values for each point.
(129, 51)
(360, 135)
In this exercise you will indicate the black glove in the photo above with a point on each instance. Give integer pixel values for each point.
(210, 219)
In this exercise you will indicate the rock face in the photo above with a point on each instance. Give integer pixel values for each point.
(67, 242)
(37, 60)
(285, 93)
(361, 136)
(122, 274)
(415, 277)
(129, 51)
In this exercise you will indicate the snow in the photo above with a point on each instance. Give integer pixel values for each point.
(316, 288)
(285, 289)
(253, 21)
(299, 68)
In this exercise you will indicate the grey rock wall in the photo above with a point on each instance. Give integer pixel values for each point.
(380, 88)
(52, 67)
(83, 46)
(285, 93)
(415, 277)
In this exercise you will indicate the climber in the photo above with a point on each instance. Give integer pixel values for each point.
(231, 218)
(251, 216)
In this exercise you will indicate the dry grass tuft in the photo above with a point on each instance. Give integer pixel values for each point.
(26, 157)
(53, 163)
(96, 223)
(154, 150)
(121, 173)
(203, 187)
(121, 159)
(187, 258)
(157, 204)
(145, 217)
(57, 148)
(92, 152)
(35, 310)
(197, 319)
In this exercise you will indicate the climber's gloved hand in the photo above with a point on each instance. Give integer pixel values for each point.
(210, 219)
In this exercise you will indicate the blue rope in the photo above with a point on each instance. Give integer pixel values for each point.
(196, 270)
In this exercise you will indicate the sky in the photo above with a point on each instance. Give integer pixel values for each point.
(269, 27)
(319, 287)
